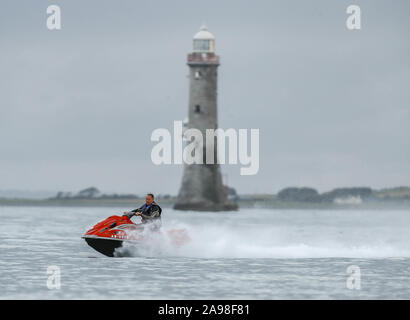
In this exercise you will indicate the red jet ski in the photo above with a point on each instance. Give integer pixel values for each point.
(111, 233)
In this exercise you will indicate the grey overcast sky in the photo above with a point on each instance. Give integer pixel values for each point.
(78, 106)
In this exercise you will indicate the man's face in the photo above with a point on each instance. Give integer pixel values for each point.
(149, 200)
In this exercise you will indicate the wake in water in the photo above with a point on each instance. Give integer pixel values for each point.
(150, 241)
(250, 240)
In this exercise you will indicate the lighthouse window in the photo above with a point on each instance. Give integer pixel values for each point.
(197, 108)
(198, 74)
(201, 45)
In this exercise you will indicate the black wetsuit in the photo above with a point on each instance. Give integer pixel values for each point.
(151, 213)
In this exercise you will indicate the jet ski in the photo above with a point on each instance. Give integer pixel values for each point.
(111, 233)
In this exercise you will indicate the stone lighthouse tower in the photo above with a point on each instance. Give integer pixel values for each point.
(202, 188)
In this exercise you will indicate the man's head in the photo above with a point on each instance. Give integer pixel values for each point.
(149, 199)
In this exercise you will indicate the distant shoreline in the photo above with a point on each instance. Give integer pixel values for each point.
(243, 204)
(363, 198)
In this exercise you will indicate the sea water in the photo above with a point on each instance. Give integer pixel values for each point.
(248, 254)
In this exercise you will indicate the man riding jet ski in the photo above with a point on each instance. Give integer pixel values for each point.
(110, 234)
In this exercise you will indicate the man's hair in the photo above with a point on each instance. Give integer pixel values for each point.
(150, 194)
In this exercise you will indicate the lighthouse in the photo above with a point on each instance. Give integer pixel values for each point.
(202, 188)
